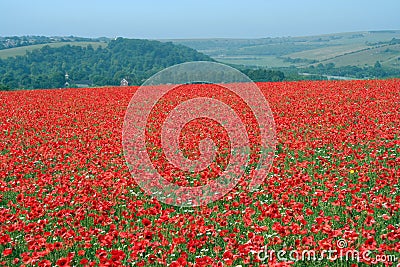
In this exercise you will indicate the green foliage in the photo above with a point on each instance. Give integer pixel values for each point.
(264, 75)
(367, 72)
(4, 87)
(21, 41)
(132, 59)
(343, 49)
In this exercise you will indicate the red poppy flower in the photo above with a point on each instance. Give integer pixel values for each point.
(7, 252)
(63, 262)
(146, 222)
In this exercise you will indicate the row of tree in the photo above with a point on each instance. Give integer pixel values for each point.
(366, 72)
(264, 75)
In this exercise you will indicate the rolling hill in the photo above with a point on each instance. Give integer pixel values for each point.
(22, 50)
(342, 49)
(42, 62)
(89, 64)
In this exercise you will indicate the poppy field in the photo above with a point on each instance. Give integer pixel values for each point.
(67, 197)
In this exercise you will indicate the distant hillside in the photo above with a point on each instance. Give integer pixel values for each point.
(86, 65)
(341, 49)
(42, 62)
(21, 50)
(7, 42)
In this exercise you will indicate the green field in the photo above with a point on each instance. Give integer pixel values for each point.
(260, 61)
(386, 55)
(325, 53)
(21, 51)
(342, 49)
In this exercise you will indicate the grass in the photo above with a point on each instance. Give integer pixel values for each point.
(345, 55)
(328, 52)
(387, 55)
(256, 60)
(21, 51)
(342, 49)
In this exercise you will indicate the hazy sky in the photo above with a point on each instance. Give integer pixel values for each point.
(155, 19)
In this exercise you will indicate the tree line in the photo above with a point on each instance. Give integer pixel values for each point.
(131, 59)
(366, 72)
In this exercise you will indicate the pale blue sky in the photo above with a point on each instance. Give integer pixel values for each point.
(153, 19)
